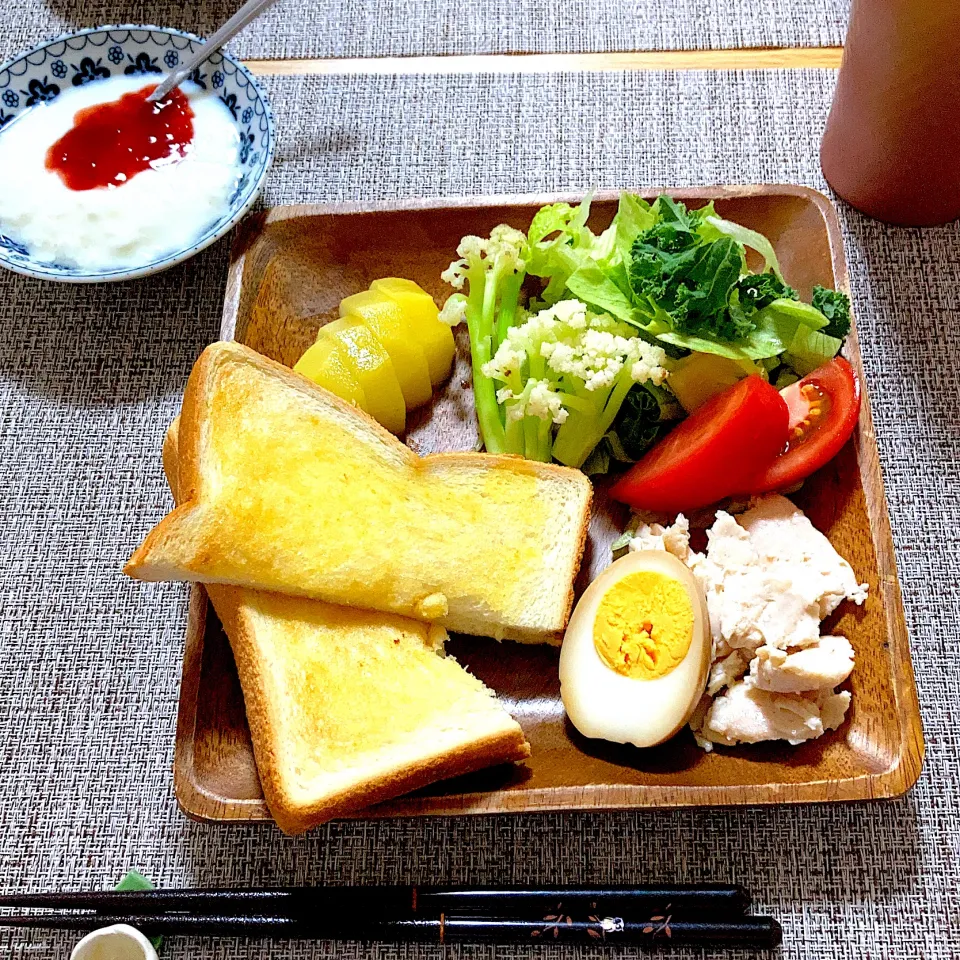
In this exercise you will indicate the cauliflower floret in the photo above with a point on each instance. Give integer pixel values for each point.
(454, 311)
(571, 367)
(505, 245)
(594, 348)
(505, 366)
(537, 399)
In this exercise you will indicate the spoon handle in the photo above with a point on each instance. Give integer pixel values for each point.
(249, 11)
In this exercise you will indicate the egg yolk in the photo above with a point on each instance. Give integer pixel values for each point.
(644, 625)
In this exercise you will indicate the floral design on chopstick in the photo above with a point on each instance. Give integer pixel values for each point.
(598, 926)
(660, 924)
(557, 921)
(600, 934)
(553, 923)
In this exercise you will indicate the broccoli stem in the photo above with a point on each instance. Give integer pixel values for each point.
(509, 297)
(481, 303)
(584, 428)
(544, 441)
(514, 440)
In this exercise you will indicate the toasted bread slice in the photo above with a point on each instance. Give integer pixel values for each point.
(350, 707)
(287, 488)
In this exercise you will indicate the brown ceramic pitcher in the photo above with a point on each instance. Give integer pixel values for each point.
(892, 143)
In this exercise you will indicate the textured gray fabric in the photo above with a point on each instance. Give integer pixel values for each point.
(90, 663)
(357, 28)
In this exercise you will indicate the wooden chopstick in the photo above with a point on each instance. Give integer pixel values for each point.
(661, 930)
(701, 902)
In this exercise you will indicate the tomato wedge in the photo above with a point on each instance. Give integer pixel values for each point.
(719, 450)
(824, 408)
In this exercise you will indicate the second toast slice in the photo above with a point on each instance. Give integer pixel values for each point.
(349, 707)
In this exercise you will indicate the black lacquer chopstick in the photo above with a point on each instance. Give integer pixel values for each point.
(657, 931)
(701, 902)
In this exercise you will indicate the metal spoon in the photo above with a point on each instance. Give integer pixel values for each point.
(249, 11)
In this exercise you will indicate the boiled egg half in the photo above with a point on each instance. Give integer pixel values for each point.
(636, 653)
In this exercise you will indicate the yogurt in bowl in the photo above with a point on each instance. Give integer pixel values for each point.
(96, 183)
(100, 179)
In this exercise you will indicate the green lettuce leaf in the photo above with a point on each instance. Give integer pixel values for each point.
(595, 288)
(774, 329)
(810, 349)
(748, 238)
(560, 218)
(634, 216)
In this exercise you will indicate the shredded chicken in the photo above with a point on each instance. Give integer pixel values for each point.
(825, 664)
(769, 580)
(726, 670)
(747, 714)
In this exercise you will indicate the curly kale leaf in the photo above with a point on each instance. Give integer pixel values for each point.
(758, 290)
(835, 306)
(692, 284)
(705, 291)
(675, 230)
(645, 416)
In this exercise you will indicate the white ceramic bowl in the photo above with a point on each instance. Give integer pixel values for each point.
(118, 942)
(88, 55)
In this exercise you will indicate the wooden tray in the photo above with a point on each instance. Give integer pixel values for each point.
(291, 267)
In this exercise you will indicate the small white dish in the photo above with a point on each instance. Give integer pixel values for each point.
(40, 74)
(118, 942)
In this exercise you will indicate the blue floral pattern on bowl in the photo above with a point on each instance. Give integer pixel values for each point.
(88, 70)
(141, 63)
(41, 74)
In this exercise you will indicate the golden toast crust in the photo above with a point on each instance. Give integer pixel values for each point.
(292, 815)
(151, 560)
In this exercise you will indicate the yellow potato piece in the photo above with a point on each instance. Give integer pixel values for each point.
(700, 376)
(370, 363)
(324, 364)
(385, 319)
(422, 315)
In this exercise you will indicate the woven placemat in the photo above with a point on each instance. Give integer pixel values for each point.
(90, 664)
(357, 28)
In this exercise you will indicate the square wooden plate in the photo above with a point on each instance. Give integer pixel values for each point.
(291, 267)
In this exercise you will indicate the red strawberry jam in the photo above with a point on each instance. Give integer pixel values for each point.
(111, 142)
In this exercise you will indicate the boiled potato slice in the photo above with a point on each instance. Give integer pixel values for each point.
(324, 363)
(422, 315)
(370, 363)
(385, 319)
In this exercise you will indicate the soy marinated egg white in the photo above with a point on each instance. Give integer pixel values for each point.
(636, 653)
